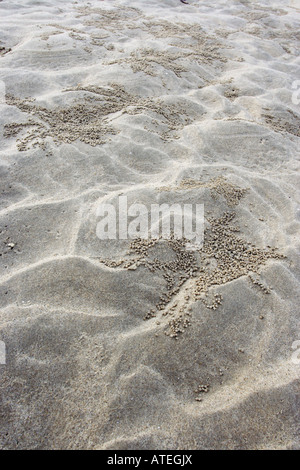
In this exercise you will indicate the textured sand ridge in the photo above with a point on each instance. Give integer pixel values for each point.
(145, 344)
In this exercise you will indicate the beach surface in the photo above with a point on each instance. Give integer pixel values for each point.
(147, 344)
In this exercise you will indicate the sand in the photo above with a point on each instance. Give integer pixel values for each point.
(134, 344)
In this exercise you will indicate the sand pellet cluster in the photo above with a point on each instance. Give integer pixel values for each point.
(219, 186)
(4, 50)
(87, 120)
(193, 275)
(286, 121)
(257, 282)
